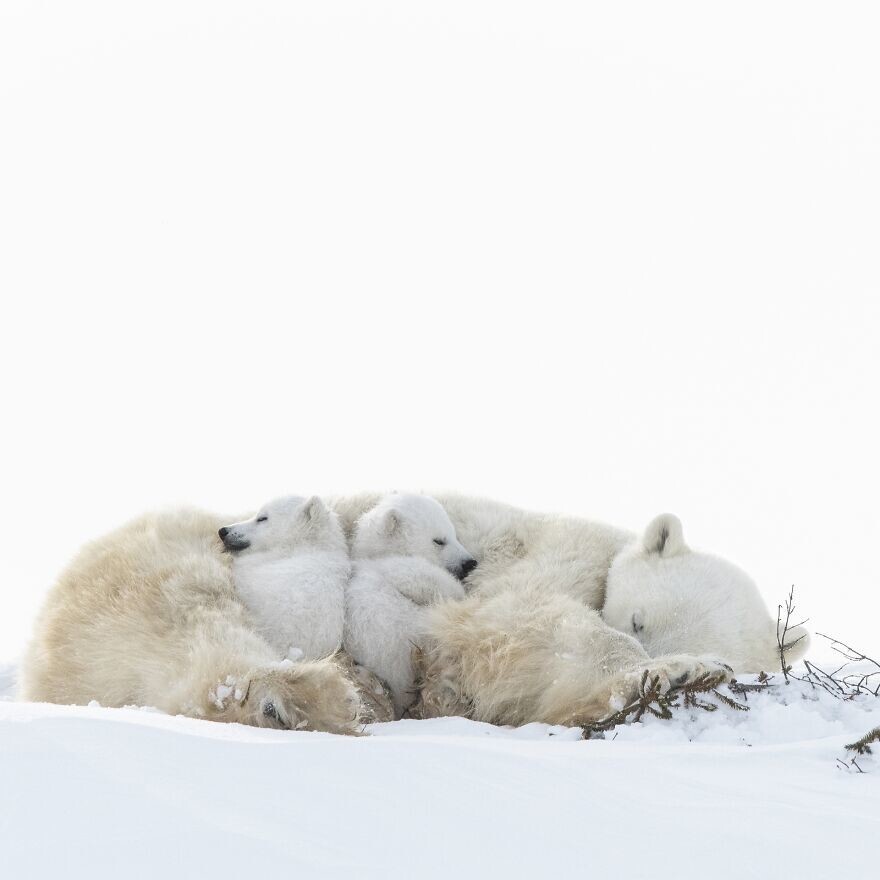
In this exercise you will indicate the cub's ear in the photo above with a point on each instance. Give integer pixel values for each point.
(314, 511)
(664, 536)
(391, 523)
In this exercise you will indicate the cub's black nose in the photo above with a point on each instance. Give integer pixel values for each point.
(467, 567)
(223, 532)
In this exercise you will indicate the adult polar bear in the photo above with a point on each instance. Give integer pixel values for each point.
(148, 615)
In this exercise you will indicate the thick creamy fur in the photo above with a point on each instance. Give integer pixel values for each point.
(291, 572)
(397, 575)
(148, 615)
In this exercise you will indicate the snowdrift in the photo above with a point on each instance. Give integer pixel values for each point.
(100, 792)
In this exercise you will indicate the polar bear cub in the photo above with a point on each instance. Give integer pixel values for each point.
(674, 599)
(406, 558)
(291, 565)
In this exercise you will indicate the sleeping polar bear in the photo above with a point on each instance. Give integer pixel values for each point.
(406, 558)
(148, 615)
(532, 641)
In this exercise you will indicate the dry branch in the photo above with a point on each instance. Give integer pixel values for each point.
(842, 686)
(782, 628)
(743, 690)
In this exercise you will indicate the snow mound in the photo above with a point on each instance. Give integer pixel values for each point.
(782, 713)
(720, 794)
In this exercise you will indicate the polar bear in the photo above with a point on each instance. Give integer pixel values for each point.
(673, 598)
(406, 557)
(291, 565)
(149, 615)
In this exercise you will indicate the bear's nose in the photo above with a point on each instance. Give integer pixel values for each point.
(223, 532)
(468, 566)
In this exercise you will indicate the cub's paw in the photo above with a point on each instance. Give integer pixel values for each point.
(302, 696)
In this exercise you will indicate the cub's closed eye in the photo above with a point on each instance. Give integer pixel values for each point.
(440, 542)
(262, 518)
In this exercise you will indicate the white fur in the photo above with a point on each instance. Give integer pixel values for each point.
(528, 644)
(149, 615)
(673, 598)
(411, 525)
(291, 568)
(397, 574)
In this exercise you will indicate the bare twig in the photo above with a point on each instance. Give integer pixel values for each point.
(782, 628)
(847, 651)
(857, 682)
(850, 763)
(842, 684)
(743, 690)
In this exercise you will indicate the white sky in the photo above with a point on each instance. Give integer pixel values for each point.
(609, 260)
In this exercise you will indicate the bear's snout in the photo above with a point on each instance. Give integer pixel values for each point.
(231, 541)
(466, 568)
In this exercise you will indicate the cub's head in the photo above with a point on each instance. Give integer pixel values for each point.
(412, 525)
(676, 600)
(284, 527)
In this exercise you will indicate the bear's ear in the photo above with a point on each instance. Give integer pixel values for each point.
(313, 510)
(664, 536)
(390, 523)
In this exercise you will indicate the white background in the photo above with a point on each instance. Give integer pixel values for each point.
(608, 260)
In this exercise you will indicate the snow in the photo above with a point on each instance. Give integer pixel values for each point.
(721, 794)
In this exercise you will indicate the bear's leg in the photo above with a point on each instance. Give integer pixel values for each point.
(438, 684)
(533, 655)
(314, 695)
(377, 703)
(224, 671)
(612, 693)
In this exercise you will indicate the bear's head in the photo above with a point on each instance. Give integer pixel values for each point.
(411, 525)
(284, 527)
(676, 600)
